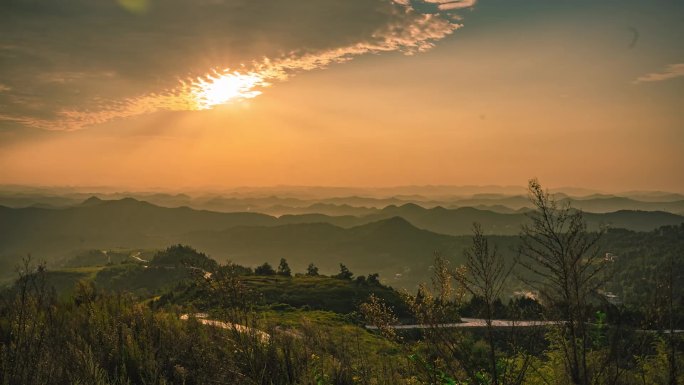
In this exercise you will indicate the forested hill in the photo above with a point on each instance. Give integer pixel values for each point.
(125, 220)
(131, 223)
(398, 243)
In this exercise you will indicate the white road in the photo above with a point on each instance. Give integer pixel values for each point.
(202, 318)
(475, 323)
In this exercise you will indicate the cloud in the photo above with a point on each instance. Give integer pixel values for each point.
(448, 5)
(671, 71)
(457, 5)
(75, 63)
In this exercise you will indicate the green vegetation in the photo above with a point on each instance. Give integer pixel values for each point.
(177, 316)
(400, 232)
(64, 280)
(344, 273)
(117, 338)
(312, 270)
(323, 293)
(284, 268)
(114, 338)
(264, 269)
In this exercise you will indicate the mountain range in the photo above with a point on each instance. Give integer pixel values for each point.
(393, 240)
(356, 202)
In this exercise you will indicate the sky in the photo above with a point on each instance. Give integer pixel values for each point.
(191, 94)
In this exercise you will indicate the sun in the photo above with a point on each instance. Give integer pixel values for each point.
(224, 87)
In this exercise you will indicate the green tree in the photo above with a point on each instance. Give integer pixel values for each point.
(284, 268)
(312, 270)
(449, 353)
(344, 273)
(265, 269)
(227, 286)
(374, 279)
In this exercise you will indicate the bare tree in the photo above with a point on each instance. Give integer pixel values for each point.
(485, 277)
(563, 262)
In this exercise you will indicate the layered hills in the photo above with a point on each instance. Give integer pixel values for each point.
(396, 241)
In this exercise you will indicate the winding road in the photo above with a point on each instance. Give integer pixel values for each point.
(474, 323)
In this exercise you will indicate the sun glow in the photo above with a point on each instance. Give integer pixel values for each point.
(224, 87)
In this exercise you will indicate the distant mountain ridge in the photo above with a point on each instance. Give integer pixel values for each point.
(395, 241)
(130, 222)
(350, 201)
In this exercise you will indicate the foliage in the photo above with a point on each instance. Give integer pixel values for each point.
(265, 269)
(181, 255)
(484, 276)
(312, 270)
(181, 318)
(100, 338)
(566, 264)
(344, 273)
(284, 268)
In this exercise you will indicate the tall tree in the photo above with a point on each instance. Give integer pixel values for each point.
(284, 268)
(312, 270)
(484, 277)
(563, 262)
(227, 287)
(344, 273)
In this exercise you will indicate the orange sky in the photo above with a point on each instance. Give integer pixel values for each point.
(560, 94)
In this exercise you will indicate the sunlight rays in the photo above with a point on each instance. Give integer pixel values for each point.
(224, 87)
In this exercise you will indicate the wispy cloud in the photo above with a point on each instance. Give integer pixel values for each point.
(671, 71)
(190, 95)
(448, 5)
(81, 95)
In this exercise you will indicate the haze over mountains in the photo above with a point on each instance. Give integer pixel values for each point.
(119, 220)
(390, 234)
(349, 201)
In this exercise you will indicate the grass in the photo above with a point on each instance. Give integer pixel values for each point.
(320, 293)
(64, 280)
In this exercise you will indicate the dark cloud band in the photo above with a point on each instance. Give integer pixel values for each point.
(68, 64)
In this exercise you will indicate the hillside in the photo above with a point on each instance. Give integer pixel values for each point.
(406, 235)
(391, 247)
(106, 224)
(175, 271)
